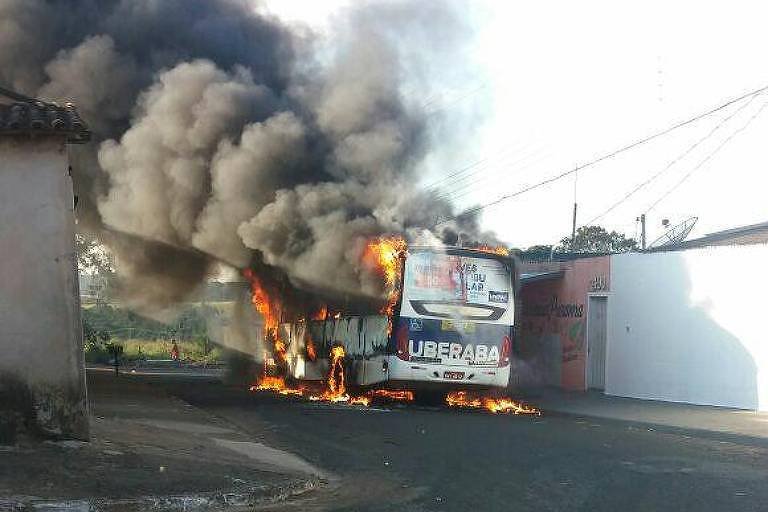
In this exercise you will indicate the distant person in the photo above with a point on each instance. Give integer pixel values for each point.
(175, 351)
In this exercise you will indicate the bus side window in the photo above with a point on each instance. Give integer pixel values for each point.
(516, 341)
(327, 337)
(378, 335)
(316, 335)
(360, 336)
(365, 336)
(351, 342)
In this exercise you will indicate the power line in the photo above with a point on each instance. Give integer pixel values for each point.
(601, 158)
(462, 184)
(463, 170)
(451, 101)
(436, 184)
(470, 187)
(673, 161)
(708, 157)
(485, 164)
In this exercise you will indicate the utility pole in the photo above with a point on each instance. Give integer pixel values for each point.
(575, 206)
(573, 229)
(642, 231)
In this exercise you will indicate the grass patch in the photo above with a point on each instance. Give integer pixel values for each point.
(148, 349)
(142, 338)
(194, 351)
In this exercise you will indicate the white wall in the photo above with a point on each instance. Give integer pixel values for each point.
(40, 329)
(690, 326)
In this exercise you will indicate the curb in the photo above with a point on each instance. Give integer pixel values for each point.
(244, 498)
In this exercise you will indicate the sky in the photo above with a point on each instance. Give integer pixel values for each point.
(541, 87)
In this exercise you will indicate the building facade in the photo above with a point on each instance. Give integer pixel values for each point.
(553, 328)
(687, 326)
(683, 324)
(42, 374)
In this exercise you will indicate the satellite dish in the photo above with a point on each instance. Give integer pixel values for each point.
(675, 234)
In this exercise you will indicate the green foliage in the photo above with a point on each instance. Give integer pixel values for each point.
(596, 239)
(106, 327)
(92, 256)
(97, 353)
(105, 322)
(537, 253)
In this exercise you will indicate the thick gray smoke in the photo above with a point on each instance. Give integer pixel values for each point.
(223, 135)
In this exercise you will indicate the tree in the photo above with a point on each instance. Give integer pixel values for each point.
(94, 261)
(537, 253)
(92, 256)
(596, 239)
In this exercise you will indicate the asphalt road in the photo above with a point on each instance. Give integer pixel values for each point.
(416, 458)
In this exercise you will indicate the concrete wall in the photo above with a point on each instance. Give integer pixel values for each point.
(552, 331)
(690, 326)
(41, 355)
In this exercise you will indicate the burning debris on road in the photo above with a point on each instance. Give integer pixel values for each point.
(495, 405)
(459, 399)
(335, 391)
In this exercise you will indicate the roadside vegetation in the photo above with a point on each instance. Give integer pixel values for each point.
(106, 327)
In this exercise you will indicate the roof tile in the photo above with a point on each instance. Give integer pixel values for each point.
(28, 116)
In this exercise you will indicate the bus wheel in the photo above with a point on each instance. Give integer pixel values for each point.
(430, 397)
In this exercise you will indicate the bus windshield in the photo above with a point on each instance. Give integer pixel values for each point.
(451, 284)
(457, 310)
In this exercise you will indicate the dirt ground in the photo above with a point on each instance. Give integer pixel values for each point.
(149, 450)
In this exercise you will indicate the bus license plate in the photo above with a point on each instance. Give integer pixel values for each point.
(453, 375)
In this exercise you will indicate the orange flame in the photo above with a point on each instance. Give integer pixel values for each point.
(495, 405)
(321, 313)
(276, 384)
(360, 400)
(268, 307)
(311, 352)
(262, 302)
(336, 390)
(390, 394)
(384, 254)
(336, 386)
(279, 349)
(500, 250)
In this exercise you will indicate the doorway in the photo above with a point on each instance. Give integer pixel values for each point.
(597, 317)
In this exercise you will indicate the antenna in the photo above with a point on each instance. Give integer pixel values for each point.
(675, 234)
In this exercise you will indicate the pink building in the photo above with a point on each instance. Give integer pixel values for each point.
(563, 306)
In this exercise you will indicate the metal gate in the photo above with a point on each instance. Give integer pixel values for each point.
(596, 341)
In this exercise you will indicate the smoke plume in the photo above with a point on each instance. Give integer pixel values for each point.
(223, 135)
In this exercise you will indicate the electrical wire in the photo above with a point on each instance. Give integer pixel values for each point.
(462, 184)
(602, 158)
(433, 106)
(463, 170)
(672, 162)
(708, 157)
(471, 187)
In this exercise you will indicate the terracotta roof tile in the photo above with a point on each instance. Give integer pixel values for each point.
(28, 116)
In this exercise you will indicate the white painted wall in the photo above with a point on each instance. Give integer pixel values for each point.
(690, 326)
(40, 327)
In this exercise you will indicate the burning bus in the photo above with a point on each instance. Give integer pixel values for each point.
(448, 324)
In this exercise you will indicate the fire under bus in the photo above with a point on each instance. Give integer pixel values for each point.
(451, 328)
